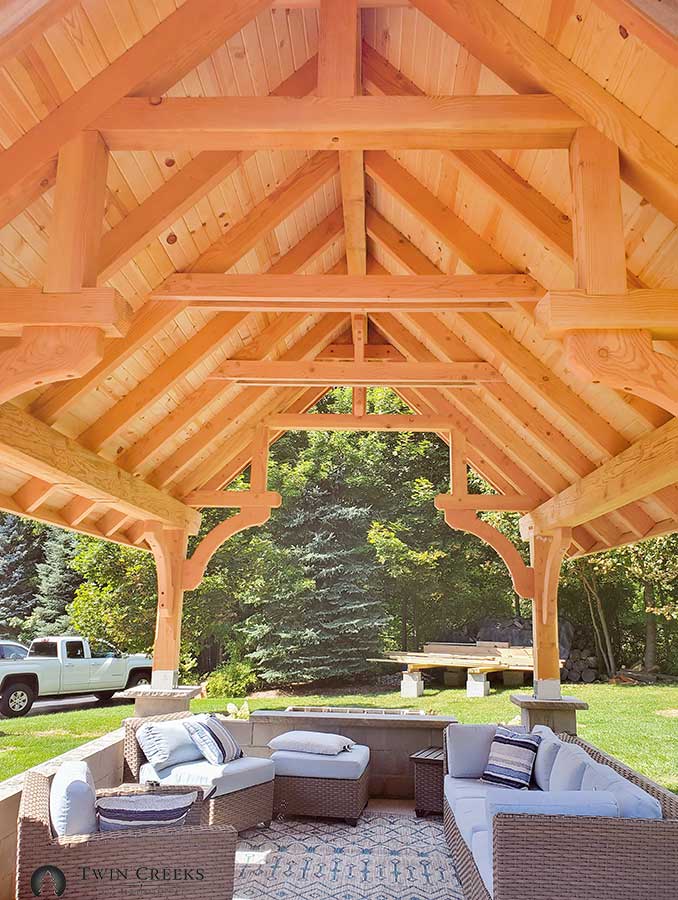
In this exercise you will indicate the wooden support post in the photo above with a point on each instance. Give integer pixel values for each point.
(46, 354)
(259, 464)
(623, 359)
(169, 547)
(359, 328)
(547, 552)
(458, 472)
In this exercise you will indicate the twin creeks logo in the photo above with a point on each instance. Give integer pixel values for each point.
(46, 877)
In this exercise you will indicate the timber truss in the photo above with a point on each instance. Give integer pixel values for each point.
(138, 381)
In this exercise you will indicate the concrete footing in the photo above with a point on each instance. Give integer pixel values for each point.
(560, 715)
(412, 685)
(148, 701)
(477, 685)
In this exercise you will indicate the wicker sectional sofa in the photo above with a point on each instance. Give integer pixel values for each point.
(541, 856)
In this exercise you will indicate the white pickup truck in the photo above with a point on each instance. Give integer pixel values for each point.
(60, 666)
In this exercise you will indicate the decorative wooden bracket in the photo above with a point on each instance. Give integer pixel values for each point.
(522, 576)
(44, 355)
(625, 360)
(194, 568)
(547, 553)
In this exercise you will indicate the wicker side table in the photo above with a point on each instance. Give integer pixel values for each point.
(428, 781)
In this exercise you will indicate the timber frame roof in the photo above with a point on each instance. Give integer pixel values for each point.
(392, 192)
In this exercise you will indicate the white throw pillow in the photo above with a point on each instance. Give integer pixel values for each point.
(468, 749)
(72, 800)
(311, 742)
(568, 769)
(543, 764)
(167, 743)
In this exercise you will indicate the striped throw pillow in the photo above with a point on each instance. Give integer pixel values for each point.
(143, 810)
(511, 759)
(213, 739)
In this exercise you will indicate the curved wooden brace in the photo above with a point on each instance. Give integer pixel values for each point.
(194, 568)
(625, 360)
(42, 355)
(522, 576)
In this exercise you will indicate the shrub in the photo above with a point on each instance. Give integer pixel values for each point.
(234, 679)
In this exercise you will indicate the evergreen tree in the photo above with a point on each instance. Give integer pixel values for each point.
(57, 582)
(20, 552)
(332, 627)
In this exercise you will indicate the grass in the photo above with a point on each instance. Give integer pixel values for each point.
(623, 720)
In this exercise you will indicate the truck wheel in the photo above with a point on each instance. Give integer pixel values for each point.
(104, 695)
(16, 700)
(139, 678)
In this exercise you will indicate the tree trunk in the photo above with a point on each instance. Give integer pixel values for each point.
(600, 628)
(403, 624)
(650, 658)
(516, 606)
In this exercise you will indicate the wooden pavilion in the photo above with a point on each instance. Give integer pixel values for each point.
(212, 212)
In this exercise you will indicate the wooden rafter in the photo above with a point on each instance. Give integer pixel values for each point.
(323, 123)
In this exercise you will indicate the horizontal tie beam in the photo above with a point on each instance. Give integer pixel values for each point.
(337, 422)
(102, 308)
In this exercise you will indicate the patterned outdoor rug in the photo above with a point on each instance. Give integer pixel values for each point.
(386, 857)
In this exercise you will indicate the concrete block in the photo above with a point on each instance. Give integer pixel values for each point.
(454, 678)
(477, 685)
(412, 685)
(513, 679)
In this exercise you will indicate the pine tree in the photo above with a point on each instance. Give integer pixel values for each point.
(20, 552)
(57, 583)
(332, 627)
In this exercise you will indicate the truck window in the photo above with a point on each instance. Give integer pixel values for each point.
(75, 650)
(103, 650)
(43, 648)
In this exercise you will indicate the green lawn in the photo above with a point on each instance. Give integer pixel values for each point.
(624, 720)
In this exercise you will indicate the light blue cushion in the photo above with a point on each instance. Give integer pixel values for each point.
(481, 848)
(544, 762)
(633, 801)
(213, 739)
(470, 815)
(555, 803)
(349, 764)
(317, 742)
(468, 749)
(72, 800)
(569, 767)
(215, 781)
(459, 788)
(144, 811)
(167, 743)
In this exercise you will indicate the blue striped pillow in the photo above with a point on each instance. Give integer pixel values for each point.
(143, 810)
(213, 739)
(511, 759)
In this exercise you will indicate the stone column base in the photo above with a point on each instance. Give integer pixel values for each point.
(560, 715)
(149, 701)
(412, 685)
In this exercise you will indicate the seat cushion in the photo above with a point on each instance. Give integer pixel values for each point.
(468, 749)
(568, 769)
(72, 799)
(143, 811)
(511, 758)
(167, 743)
(633, 801)
(349, 765)
(315, 742)
(459, 788)
(481, 848)
(470, 814)
(545, 759)
(215, 780)
(554, 803)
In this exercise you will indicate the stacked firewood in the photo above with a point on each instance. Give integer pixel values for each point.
(580, 665)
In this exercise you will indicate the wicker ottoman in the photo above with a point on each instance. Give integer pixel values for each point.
(310, 784)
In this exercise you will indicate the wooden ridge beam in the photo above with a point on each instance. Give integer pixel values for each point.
(155, 63)
(33, 447)
(102, 308)
(346, 293)
(359, 374)
(192, 182)
(373, 351)
(652, 310)
(528, 63)
(338, 123)
(646, 466)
